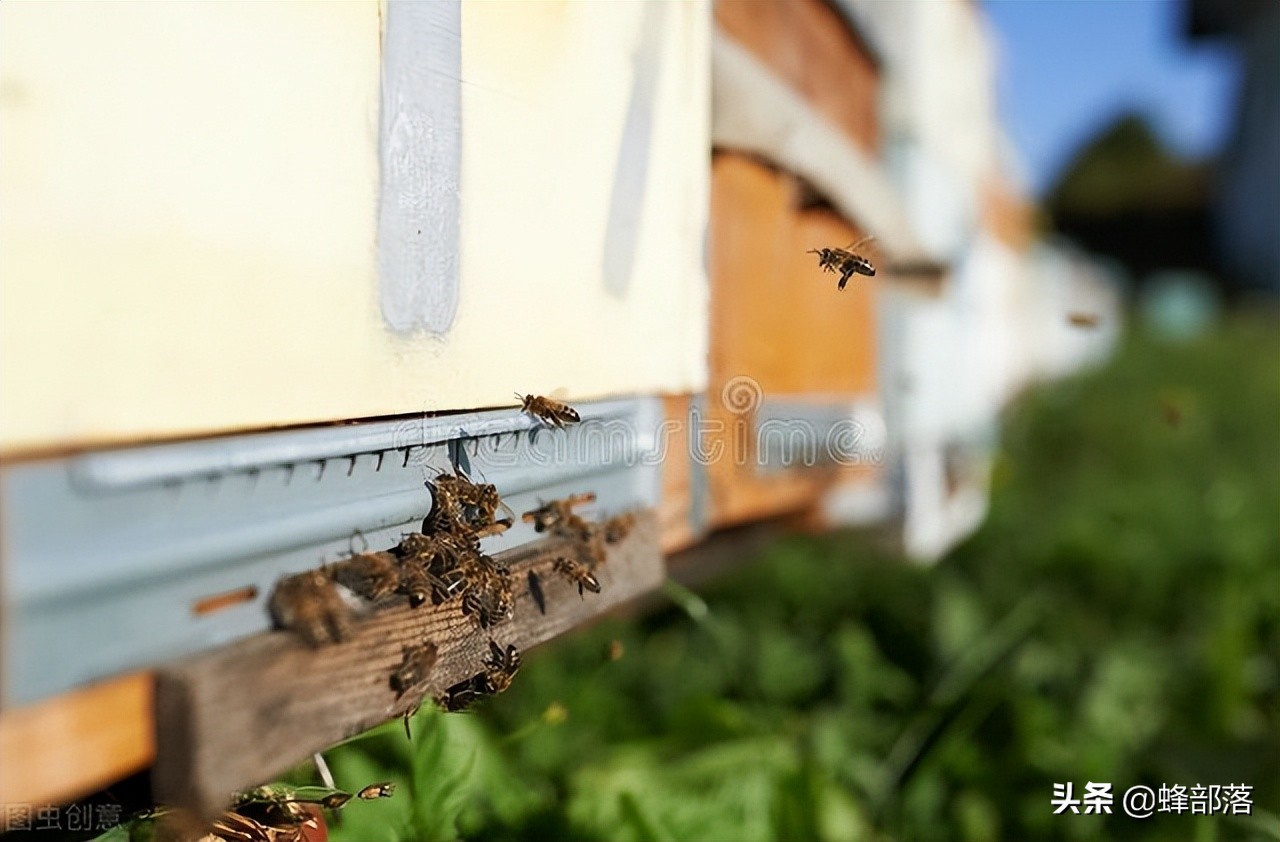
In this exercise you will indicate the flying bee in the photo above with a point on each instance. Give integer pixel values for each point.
(310, 604)
(1085, 320)
(550, 515)
(617, 528)
(369, 575)
(385, 789)
(414, 669)
(846, 261)
(578, 574)
(591, 543)
(495, 528)
(553, 413)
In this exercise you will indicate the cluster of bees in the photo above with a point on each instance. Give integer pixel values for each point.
(845, 262)
(444, 564)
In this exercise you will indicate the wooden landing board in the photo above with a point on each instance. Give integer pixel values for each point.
(238, 716)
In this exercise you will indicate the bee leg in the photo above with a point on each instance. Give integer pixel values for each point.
(408, 717)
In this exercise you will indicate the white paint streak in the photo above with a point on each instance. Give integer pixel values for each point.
(420, 164)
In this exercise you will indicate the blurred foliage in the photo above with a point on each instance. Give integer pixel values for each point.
(1116, 619)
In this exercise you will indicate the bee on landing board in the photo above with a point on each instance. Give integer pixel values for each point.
(577, 573)
(845, 262)
(368, 575)
(488, 592)
(500, 668)
(310, 604)
(414, 669)
(553, 413)
(462, 505)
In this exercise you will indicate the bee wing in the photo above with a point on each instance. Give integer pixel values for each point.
(560, 394)
(854, 246)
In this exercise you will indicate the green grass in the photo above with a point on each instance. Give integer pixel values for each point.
(1116, 619)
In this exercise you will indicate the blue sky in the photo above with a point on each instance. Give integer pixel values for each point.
(1068, 67)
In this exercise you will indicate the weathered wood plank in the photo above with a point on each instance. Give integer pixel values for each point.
(237, 716)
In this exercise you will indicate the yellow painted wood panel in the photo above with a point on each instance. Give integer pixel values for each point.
(190, 193)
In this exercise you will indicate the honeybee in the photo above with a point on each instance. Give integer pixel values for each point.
(465, 693)
(495, 528)
(846, 261)
(552, 516)
(591, 546)
(428, 567)
(558, 518)
(369, 575)
(553, 413)
(414, 669)
(487, 594)
(461, 504)
(310, 604)
(577, 573)
(617, 528)
(1085, 320)
(502, 667)
(385, 789)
